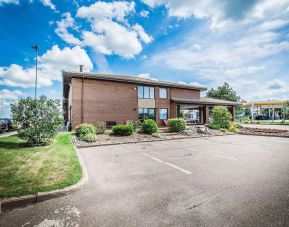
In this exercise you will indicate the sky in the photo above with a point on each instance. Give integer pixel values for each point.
(208, 42)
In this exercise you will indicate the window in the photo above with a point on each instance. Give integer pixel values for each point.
(163, 93)
(146, 92)
(163, 114)
(146, 113)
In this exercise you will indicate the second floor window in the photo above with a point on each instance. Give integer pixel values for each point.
(146, 92)
(163, 93)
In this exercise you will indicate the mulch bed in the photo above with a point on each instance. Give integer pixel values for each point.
(264, 131)
(107, 138)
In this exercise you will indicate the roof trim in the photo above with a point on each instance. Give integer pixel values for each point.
(208, 101)
(129, 79)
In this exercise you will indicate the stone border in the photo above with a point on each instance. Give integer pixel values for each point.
(17, 202)
(252, 134)
(146, 141)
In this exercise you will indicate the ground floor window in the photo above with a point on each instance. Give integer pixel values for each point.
(146, 113)
(163, 114)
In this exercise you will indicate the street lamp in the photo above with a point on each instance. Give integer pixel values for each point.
(36, 48)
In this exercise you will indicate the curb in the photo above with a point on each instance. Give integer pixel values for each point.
(22, 201)
(148, 141)
(252, 134)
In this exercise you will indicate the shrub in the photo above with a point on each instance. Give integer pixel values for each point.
(100, 127)
(135, 124)
(84, 129)
(233, 128)
(238, 125)
(213, 126)
(221, 117)
(89, 137)
(149, 126)
(176, 124)
(122, 130)
(37, 119)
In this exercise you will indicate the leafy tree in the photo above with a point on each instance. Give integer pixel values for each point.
(224, 92)
(221, 117)
(37, 119)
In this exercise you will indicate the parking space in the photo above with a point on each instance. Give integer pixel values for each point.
(216, 181)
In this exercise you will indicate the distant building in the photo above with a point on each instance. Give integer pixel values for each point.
(268, 109)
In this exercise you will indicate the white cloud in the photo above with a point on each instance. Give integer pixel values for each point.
(48, 3)
(51, 65)
(62, 29)
(146, 76)
(142, 34)
(3, 2)
(106, 10)
(109, 33)
(8, 94)
(7, 97)
(144, 13)
(219, 13)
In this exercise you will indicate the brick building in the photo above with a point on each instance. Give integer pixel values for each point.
(90, 98)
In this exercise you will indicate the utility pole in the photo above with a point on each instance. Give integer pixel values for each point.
(36, 48)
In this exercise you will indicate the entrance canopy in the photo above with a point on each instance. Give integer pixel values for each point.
(198, 110)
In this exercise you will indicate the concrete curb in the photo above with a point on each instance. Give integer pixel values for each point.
(148, 141)
(22, 201)
(252, 134)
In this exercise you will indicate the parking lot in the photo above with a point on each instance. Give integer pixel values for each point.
(215, 181)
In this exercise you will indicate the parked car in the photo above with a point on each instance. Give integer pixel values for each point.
(9, 122)
(262, 117)
(3, 126)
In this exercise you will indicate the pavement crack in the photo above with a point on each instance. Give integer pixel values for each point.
(216, 194)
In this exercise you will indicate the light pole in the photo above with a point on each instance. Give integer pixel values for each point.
(36, 48)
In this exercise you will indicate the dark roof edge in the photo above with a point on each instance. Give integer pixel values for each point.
(130, 79)
(202, 101)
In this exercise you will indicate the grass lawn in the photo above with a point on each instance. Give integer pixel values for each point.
(26, 170)
(273, 123)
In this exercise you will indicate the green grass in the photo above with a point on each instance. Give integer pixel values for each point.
(26, 170)
(273, 123)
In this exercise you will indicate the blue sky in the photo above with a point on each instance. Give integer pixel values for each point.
(208, 42)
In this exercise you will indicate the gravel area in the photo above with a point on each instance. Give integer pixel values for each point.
(264, 131)
(200, 130)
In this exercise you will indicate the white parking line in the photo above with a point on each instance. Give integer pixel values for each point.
(161, 161)
(206, 153)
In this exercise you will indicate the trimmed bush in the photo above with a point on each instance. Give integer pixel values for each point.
(212, 126)
(149, 126)
(84, 129)
(122, 130)
(89, 137)
(100, 127)
(176, 124)
(221, 117)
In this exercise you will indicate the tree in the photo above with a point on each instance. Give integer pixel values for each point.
(221, 117)
(224, 92)
(37, 119)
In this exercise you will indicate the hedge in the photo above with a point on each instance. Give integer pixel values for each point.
(122, 130)
(149, 126)
(176, 124)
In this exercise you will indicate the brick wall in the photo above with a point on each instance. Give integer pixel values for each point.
(185, 93)
(103, 101)
(161, 103)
